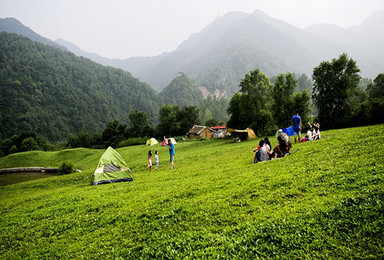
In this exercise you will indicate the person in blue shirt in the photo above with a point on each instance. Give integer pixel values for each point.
(296, 123)
(171, 153)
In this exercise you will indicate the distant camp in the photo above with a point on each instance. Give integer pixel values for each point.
(165, 141)
(111, 168)
(245, 134)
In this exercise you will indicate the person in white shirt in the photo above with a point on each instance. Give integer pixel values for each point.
(157, 160)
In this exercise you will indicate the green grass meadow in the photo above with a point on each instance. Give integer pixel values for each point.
(324, 202)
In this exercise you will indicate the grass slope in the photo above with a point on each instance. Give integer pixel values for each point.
(325, 201)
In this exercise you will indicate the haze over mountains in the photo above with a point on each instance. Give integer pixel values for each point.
(219, 56)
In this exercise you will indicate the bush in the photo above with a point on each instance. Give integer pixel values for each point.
(132, 141)
(66, 168)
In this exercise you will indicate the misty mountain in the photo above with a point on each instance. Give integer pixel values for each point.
(12, 25)
(92, 56)
(221, 54)
(364, 43)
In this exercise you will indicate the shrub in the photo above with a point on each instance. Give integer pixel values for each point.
(133, 141)
(66, 168)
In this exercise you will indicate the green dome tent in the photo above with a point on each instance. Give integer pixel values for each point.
(111, 168)
(151, 142)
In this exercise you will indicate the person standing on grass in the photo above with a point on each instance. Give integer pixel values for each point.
(316, 126)
(296, 123)
(157, 160)
(149, 160)
(171, 153)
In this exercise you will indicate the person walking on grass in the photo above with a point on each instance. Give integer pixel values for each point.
(171, 153)
(149, 160)
(157, 160)
(296, 123)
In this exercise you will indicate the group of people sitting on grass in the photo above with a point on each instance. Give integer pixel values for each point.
(313, 132)
(264, 152)
(283, 147)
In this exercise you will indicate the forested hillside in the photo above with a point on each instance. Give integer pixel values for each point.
(53, 92)
(182, 91)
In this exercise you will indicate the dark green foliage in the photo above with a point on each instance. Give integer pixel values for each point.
(375, 89)
(373, 109)
(133, 141)
(27, 141)
(54, 93)
(234, 111)
(114, 133)
(182, 91)
(212, 122)
(66, 168)
(187, 117)
(175, 121)
(168, 125)
(282, 95)
(302, 104)
(140, 124)
(252, 107)
(83, 139)
(334, 83)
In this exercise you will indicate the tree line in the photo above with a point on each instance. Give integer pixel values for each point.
(69, 99)
(336, 94)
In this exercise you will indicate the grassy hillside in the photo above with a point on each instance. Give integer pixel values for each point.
(325, 201)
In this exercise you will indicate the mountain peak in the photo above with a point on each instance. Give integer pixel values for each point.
(12, 25)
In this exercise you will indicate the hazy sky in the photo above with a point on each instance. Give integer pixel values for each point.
(125, 28)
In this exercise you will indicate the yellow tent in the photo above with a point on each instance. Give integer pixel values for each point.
(246, 132)
(151, 141)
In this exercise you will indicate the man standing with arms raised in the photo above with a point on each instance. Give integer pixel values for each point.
(296, 123)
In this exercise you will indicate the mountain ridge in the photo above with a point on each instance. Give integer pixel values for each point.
(260, 41)
(12, 25)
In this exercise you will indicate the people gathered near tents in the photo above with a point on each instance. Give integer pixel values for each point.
(284, 144)
(261, 153)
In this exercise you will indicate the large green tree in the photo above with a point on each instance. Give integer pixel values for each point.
(302, 104)
(187, 118)
(375, 89)
(252, 106)
(140, 124)
(376, 100)
(114, 133)
(334, 83)
(175, 121)
(168, 125)
(282, 94)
